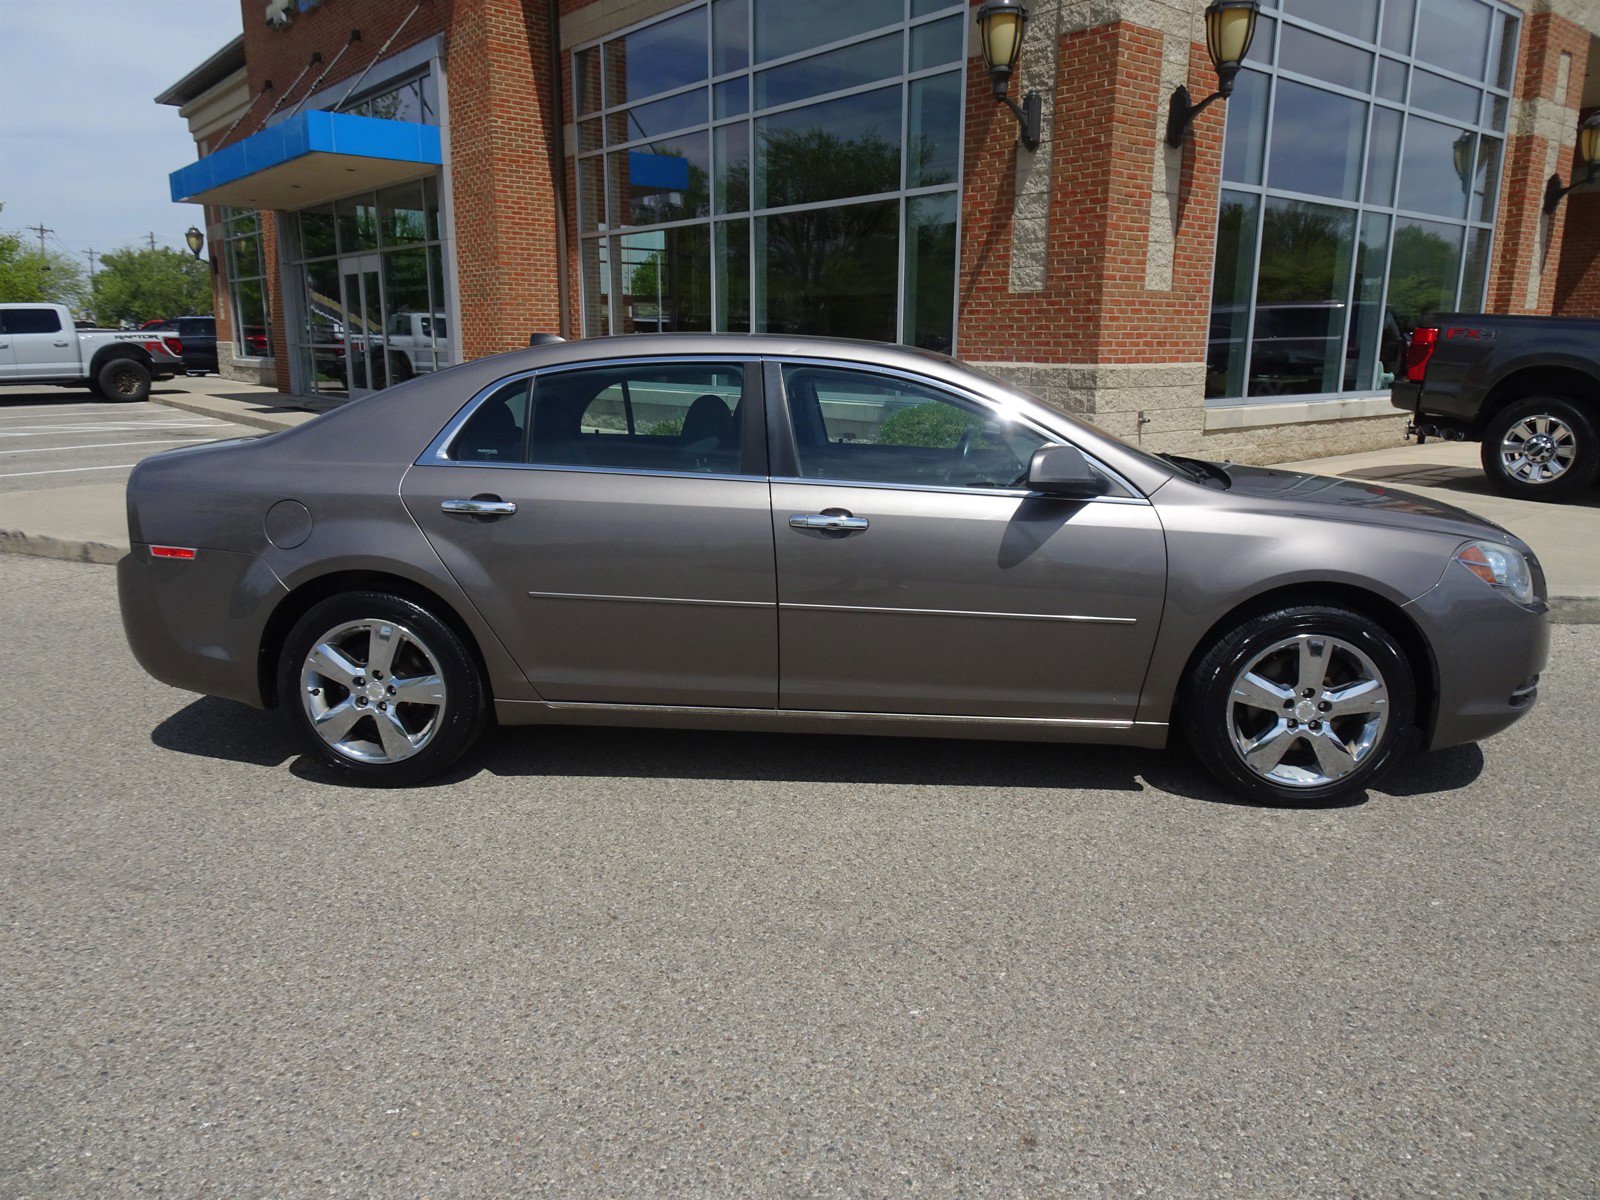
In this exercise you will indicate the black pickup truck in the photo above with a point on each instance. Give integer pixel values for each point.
(1528, 388)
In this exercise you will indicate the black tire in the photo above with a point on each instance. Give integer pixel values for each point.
(123, 380)
(399, 369)
(1556, 463)
(1217, 728)
(426, 642)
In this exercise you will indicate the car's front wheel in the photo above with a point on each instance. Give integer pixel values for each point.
(378, 686)
(1301, 705)
(1542, 448)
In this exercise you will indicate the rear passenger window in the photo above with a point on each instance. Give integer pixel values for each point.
(685, 418)
(30, 320)
(497, 432)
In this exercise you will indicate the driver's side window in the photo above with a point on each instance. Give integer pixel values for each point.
(862, 427)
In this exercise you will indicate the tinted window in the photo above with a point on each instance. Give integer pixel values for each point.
(682, 418)
(868, 428)
(197, 327)
(497, 431)
(30, 320)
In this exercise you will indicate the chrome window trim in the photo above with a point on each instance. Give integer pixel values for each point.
(1023, 415)
(1013, 493)
(437, 452)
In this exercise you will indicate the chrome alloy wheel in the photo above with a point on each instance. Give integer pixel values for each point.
(1308, 711)
(1538, 449)
(373, 691)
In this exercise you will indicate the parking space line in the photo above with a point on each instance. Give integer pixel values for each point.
(121, 427)
(69, 470)
(104, 445)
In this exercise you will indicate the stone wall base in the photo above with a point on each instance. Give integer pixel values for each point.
(263, 371)
(1160, 407)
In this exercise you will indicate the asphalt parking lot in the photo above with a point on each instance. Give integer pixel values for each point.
(622, 963)
(64, 437)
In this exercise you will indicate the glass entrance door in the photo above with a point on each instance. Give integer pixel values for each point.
(365, 362)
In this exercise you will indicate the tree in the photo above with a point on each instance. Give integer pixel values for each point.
(933, 426)
(141, 285)
(27, 276)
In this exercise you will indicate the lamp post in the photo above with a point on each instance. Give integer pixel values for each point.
(1000, 26)
(1588, 165)
(195, 239)
(1230, 28)
(1463, 151)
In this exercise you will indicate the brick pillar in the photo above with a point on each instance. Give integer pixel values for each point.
(1578, 280)
(1086, 265)
(278, 316)
(502, 188)
(1544, 130)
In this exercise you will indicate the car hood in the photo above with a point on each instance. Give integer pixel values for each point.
(1365, 503)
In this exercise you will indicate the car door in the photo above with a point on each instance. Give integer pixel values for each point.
(39, 344)
(8, 360)
(613, 524)
(916, 574)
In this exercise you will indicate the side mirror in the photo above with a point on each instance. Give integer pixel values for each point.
(1063, 471)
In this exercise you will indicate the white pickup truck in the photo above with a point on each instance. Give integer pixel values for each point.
(40, 345)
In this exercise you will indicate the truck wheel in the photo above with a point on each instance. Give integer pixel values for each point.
(123, 379)
(1542, 448)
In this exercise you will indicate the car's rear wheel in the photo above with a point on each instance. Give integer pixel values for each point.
(1301, 705)
(378, 686)
(1542, 448)
(123, 379)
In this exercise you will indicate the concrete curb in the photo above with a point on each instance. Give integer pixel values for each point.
(237, 413)
(100, 554)
(1564, 610)
(1575, 610)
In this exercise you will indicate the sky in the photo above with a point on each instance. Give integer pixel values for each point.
(84, 147)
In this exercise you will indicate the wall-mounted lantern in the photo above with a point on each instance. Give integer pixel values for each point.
(1230, 28)
(1000, 26)
(1588, 165)
(195, 240)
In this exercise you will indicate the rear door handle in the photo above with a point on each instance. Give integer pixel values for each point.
(62, 343)
(480, 506)
(840, 522)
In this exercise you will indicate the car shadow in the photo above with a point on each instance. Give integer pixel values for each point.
(224, 730)
(1469, 481)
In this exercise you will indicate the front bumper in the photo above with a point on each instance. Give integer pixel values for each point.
(197, 623)
(1488, 653)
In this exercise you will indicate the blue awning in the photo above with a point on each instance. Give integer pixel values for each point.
(309, 159)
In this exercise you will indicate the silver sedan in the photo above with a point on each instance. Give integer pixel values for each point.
(774, 533)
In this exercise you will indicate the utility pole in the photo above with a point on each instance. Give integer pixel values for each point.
(41, 231)
(91, 256)
(152, 239)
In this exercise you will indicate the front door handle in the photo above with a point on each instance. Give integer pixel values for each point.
(829, 522)
(480, 506)
(62, 343)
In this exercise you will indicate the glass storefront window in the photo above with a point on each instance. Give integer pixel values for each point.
(811, 187)
(244, 260)
(1362, 196)
(415, 101)
(370, 306)
(783, 28)
(831, 271)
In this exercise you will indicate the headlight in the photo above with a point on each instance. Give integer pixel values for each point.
(1499, 566)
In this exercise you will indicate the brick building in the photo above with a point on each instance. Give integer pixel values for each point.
(392, 186)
